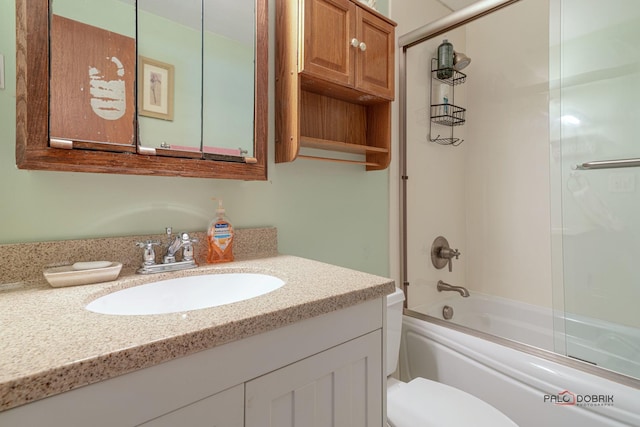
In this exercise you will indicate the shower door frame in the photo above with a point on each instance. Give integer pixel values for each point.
(405, 42)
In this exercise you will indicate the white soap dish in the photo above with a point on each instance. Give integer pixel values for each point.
(82, 273)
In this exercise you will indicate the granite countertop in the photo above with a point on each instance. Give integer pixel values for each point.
(51, 344)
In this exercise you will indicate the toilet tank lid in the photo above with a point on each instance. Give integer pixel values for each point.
(395, 297)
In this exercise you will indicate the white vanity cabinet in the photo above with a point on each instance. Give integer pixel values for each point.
(224, 409)
(338, 387)
(330, 365)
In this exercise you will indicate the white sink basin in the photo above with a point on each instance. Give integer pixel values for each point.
(185, 294)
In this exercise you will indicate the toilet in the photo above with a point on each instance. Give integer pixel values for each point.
(425, 403)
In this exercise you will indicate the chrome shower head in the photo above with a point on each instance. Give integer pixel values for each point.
(460, 60)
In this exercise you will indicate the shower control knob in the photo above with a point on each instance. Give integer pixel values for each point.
(449, 253)
(442, 254)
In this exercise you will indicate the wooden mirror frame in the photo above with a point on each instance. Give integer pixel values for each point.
(32, 113)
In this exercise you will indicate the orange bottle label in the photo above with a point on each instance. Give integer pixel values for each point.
(220, 242)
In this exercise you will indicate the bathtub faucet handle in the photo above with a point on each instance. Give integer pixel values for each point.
(449, 254)
(442, 254)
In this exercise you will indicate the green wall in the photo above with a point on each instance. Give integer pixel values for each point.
(330, 212)
(166, 41)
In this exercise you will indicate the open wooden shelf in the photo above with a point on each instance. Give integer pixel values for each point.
(331, 159)
(344, 147)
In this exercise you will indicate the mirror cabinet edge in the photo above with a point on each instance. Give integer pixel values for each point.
(32, 113)
(261, 109)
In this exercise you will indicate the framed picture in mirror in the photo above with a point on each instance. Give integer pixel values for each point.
(155, 87)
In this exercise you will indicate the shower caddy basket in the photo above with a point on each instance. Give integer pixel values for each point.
(447, 114)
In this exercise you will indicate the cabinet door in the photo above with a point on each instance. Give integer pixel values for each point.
(329, 26)
(224, 409)
(375, 65)
(340, 387)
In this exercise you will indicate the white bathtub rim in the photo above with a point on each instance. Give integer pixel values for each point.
(538, 329)
(476, 338)
(544, 371)
(517, 306)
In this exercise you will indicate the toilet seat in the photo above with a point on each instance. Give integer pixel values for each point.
(427, 403)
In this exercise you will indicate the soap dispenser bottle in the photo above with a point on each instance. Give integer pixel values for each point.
(220, 237)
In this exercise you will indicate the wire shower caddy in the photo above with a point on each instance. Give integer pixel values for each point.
(446, 114)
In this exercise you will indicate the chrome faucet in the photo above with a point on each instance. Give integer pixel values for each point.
(442, 286)
(174, 244)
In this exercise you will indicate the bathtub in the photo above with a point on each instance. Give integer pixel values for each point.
(531, 385)
(605, 344)
(524, 323)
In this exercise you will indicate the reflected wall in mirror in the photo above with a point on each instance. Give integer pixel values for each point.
(170, 35)
(228, 70)
(33, 150)
(214, 113)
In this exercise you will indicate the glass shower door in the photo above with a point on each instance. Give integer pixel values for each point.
(595, 137)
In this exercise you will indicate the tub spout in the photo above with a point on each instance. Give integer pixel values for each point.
(442, 286)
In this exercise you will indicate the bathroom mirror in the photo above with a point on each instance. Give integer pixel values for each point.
(217, 156)
(170, 92)
(228, 47)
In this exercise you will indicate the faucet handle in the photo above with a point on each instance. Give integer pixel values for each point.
(449, 254)
(442, 254)
(149, 254)
(187, 246)
(148, 244)
(186, 239)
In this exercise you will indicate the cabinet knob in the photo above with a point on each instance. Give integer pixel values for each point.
(357, 43)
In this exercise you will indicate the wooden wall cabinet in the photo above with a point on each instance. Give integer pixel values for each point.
(334, 80)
